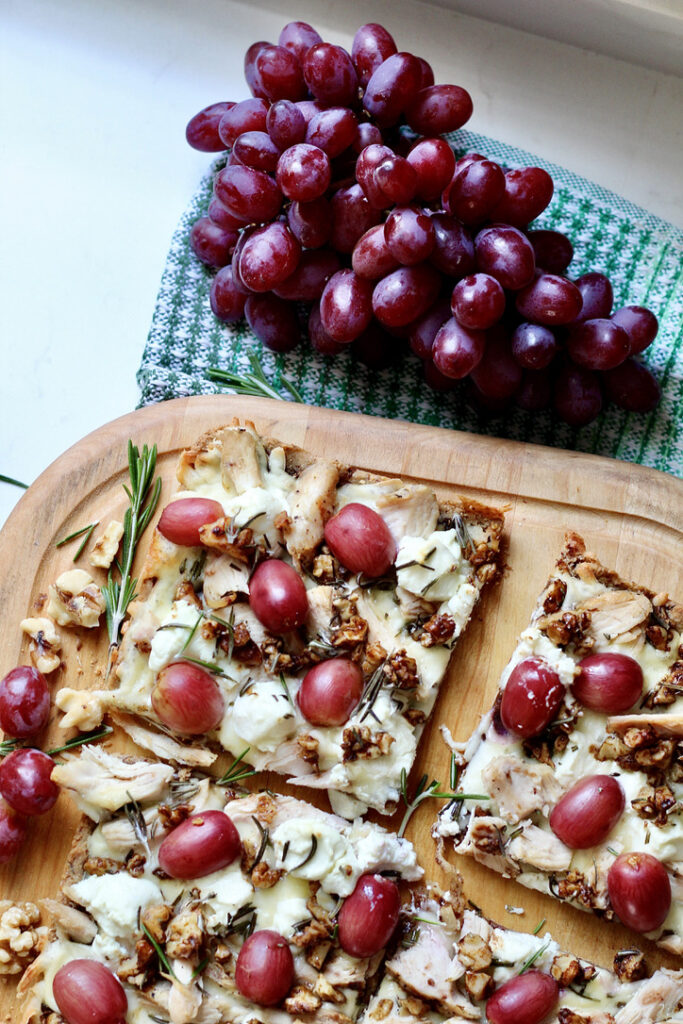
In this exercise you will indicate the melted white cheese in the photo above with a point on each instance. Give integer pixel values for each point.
(115, 902)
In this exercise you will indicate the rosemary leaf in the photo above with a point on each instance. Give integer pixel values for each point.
(254, 383)
(77, 533)
(531, 960)
(428, 792)
(7, 746)
(283, 681)
(199, 968)
(191, 634)
(309, 856)
(237, 771)
(265, 839)
(79, 741)
(210, 666)
(163, 959)
(10, 480)
(538, 926)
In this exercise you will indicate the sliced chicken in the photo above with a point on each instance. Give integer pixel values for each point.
(425, 967)
(658, 999)
(224, 576)
(320, 610)
(101, 781)
(286, 808)
(661, 725)
(242, 460)
(162, 745)
(616, 614)
(540, 849)
(411, 511)
(75, 924)
(519, 788)
(312, 505)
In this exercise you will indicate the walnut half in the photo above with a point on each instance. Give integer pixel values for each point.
(75, 600)
(45, 644)
(19, 937)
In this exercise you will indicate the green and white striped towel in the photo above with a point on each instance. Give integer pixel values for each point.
(642, 255)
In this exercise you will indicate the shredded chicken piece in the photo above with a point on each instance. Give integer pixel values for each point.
(242, 457)
(656, 1000)
(411, 511)
(663, 725)
(105, 782)
(75, 600)
(223, 577)
(162, 745)
(107, 544)
(75, 924)
(541, 849)
(616, 614)
(320, 610)
(425, 967)
(45, 644)
(312, 505)
(520, 788)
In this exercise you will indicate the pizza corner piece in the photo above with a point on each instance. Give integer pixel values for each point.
(183, 900)
(580, 760)
(300, 608)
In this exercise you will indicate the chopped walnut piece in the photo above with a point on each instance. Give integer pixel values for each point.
(134, 969)
(566, 627)
(45, 644)
(437, 630)
(308, 748)
(382, 1010)
(107, 544)
(302, 1000)
(225, 536)
(655, 804)
(566, 969)
(102, 866)
(401, 671)
(172, 816)
(374, 656)
(324, 568)
(155, 918)
(413, 1006)
(479, 985)
(75, 600)
(361, 743)
(83, 709)
(20, 939)
(474, 952)
(554, 596)
(185, 935)
(263, 877)
(316, 957)
(630, 965)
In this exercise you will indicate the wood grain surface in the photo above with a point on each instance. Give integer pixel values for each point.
(631, 517)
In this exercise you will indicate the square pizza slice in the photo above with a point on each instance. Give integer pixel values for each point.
(578, 767)
(299, 608)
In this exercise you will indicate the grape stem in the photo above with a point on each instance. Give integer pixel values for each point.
(255, 383)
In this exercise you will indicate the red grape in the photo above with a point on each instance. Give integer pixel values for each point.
(87, 992)
(312, 273)
(221, 215)
(375, 347)
(25, 781)
(279, 74)
(256, 149)
(268, 257)
(264, 972)
(181, 519)
(497, 375)
(598, 344)
(409, 234)
(457, 350)
(187, 698)
(528, 190)
(549, 300)
(311, 223)
(330, 691)
(436, 380)
(226, 298)
(577, 397)
(368, 134)
(368, 161)
(639, 323)
(391, 88)
(535, 392)
(532, 697)
(277, 596)
(330, 75)
(405, 294)
(453, 247)
(478, 301)
(474, 191)
(12, 832)
(434, 162)
(361, 540)
(250, 72)
(352, 216)
(24, 702)
(304, 172)
(211, 243)
(506, 254)
(332, 130)
(346, 305)
(285, 124)
(424, 331)
(371, 257)
(588, 812)
(319, 338)
(534, 346)
(299, 37)
(247, 193)
(396, 179)
(632, 386)
(552, 249)
(203, 843)
(439, 109)
(640, 891)
(369, 916)
(274, 321)
(610, 683)
(371, 46)
(202, 129)
(246, 116)
(525, 999)
(596, 292)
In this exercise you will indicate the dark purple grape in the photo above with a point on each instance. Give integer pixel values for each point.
(256, 149)
(369, 916)
(279, 74)
(371, 256)
(474, 191)
(309, 108)
(368, 135)
(588, 812)
(268, 257)
(24, 702)
(528, 190)
(202, 129)
(534, 346)
(285, 124)
(424, 330)
(332, 130)
(478, 301)
(211, 243)
(640, 324)
(311, 223)
(352, 216)
(247, 116)
(457, 350)
(596, 292)
(250, 72)
(553, 250)
(277, 596)
(435, 379)
(396, 178)
(391, 88)
(25, 781)
(346, 306)
(550, 300)
(274, 321)
(375, 347)
(577, 398)
(439, 109)
(247, 193)
(371, 46)
(319, 338)
(453, 252)
(536, 390)
(306, 283)
(405, 294)
(299, 37)
(304, 172)
(434, 161)
(497, 375)
(632, 386)
(366, 164)
(227, 300)
(409, 234)
(598, 344)
(330, 75)
(506, 254)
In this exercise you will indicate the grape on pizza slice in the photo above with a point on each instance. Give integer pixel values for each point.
(299, 608)
(581, 756)
(183, 901)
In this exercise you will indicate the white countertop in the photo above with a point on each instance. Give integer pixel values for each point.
(95, 97)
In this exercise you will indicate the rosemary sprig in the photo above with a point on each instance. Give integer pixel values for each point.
(7, 746)
(210, 666)
(265, 839)
(424, 791)
(10, 480)
(191, 634)
(237, 771)
(163, 959)
(133, 812)
(143, 496)
(371, 693)
(79, 741)
(531, 960)
(199, 968)
(242, 921)
(309, 856)
(283, 682)
(85, 532)
(254, 383)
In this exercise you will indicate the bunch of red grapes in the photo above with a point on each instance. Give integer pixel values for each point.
(341, 193)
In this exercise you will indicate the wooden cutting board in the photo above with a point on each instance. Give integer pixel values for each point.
(631, 517)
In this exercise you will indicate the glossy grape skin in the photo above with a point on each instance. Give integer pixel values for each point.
(532, 697)
(434, 162)
(425, 329)
(285, 124)
(368, 161)
(396, 179)
(332, 130)
(303, 172)
(552, 249)
(549, 300)
(250, 194)
(371, 46)
(577, 396)
(596, 292)
(203, 843)
(598, 344)
(330, 691)
(181, 519)
(609, 683)
(257, 150)
(250, 72)
(478, 301)
(368, 917)
(279, 74)
(588, 812)
(346, 306)
(405, 294)
(24, 702)
(87, 992)
(457, 350)
(311, 223)
(330, 75)
(307, 282)
(534, 346)
(528, 998)
(506, 254)
(640, 891)
(221, 215)
(640, 324)
(497, 375)
(360, 539)
(409, 234)
(368, 134)
(474, 191)
(25, 781)
(352, 215)
(187, 698)
(391, 88)
(535, 391)
(299, 37)
(371, 257)
(528, 190)
(264, 972)
(632, 386)
(269, 256)
(439, 109)
(202, 129)
(13, 828)
(277, 596)
(274, 321)
(318, 336)
(246, 116)
(453, 252)
(212, 244)
(226, 299)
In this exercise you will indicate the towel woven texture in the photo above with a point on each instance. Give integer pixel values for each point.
(642, 255)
